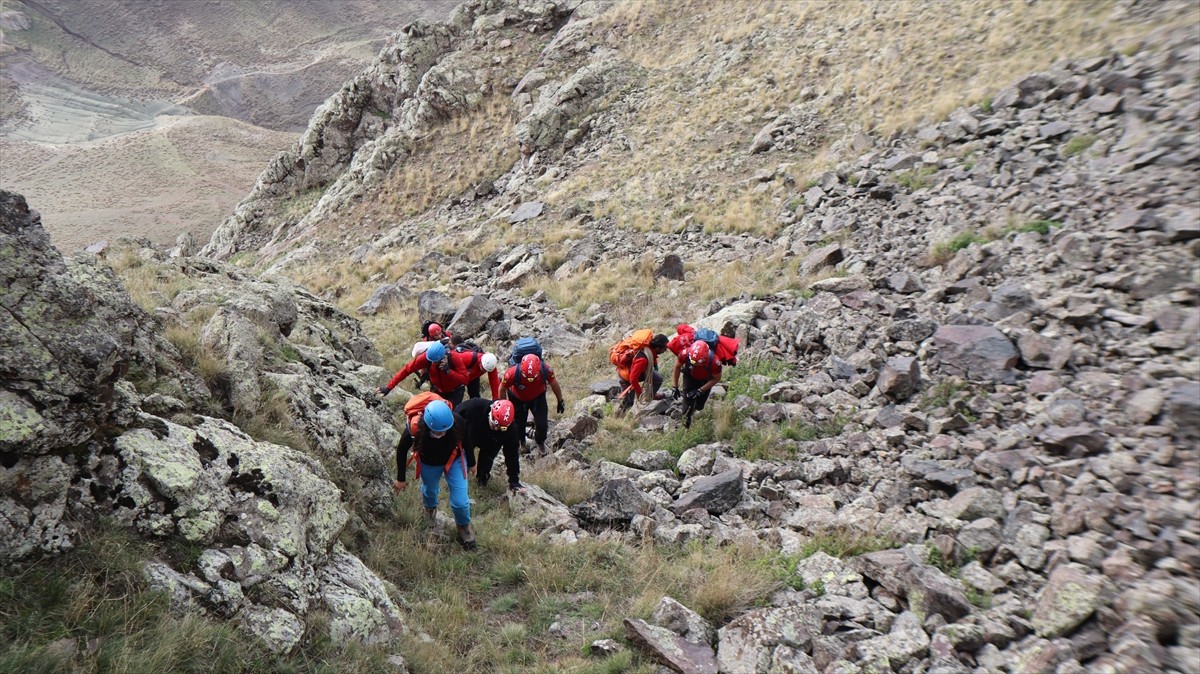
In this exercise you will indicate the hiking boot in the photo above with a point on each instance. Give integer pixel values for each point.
(482, 480)
(542, 451)
(516, 488)
(435, 527)
(466, 537)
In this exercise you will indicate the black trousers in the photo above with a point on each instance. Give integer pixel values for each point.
(487, 458)
(473, 388)
(454, 397)
(541, 417)
(692, 384)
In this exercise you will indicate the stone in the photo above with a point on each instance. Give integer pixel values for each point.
(929, 591)
(748, 643)
(659, 459)
(472, 315)
(683, 621)
(434, 306)
(979, 352)
(672, 650)
(1070, 597)
(1044, 352)
(605, 648)
(911, 330)
(826, 256)
(728, 320)
(616, 502)
(1104, 104)
(982, 536)
(905, 283)
(1077, 439)
(1144, 405)
(279, 630)
(670, 269)
(976, 503)
(716, 493)
(541, 511)
(385, 296)
(906, 640)
(900, 378)
(526, 211)
(1183, 408)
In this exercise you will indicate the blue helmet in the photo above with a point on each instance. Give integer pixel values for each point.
(436, 352)
(438, 417)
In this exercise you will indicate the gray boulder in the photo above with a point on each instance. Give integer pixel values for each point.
(1070, 597)
(473, 313)
(751, 643)
(434, 306)
(900, 378)
(616, 503)
(385, 296)
(979, 352)
(716, 493)
(672, 650)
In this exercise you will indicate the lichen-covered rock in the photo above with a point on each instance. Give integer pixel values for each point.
(359, 605)
(747, 645)
(1070, 596)
(672, 650)
(278, 629)
(540, 511)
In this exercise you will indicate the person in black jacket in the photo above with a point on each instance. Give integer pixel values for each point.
(490, 428)
(438, 443)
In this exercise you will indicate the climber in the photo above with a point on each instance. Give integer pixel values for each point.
(447, 372)
(701, 372)
(525, 385)
(636, 360)
(436, 435)
(491, 428)
(479, 364)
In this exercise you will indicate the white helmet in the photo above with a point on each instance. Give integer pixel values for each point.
(420, 348)
(488, 361)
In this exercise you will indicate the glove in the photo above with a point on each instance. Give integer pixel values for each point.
(692, 395)
(562, 406)
(383, 390)
(677, 394)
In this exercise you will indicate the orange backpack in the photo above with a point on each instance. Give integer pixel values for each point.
(623, 352)
(415, 407)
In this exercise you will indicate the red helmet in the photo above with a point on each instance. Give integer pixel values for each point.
(698, 353)
(435, 331)
(531, 367)
(503, 414)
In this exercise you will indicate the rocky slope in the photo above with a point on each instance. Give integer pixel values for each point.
(99, 421)
(997, 312)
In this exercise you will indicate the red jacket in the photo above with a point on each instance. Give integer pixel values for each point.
(527, 391)
(475, 371)
(440, 380)
(637, 371)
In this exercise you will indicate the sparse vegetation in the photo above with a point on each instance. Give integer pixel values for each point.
(1078, 144)
(918, 178)
(941, 393)
(1040, 226)
(943, 252)
(846, 543)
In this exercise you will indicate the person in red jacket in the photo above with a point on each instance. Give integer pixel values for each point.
(638, 371)
(701, 372)
(479, 364)
(447, 372)
(525, 385)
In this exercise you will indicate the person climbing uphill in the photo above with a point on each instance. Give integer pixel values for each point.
(525, 386)
(491, 428)
(479, 364)
(636, 360)
(436, 433)
(447, 372)
(701, 372)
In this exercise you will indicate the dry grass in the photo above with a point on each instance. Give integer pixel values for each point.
(456, 156)
(882, 66)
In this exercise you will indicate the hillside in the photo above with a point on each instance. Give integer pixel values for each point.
(957, 242)
(180, 103)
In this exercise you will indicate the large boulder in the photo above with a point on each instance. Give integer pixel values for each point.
(670, 649)
(615, 504)
(434, 306)
(715, 493)
(473, 313)
(1070, 597)
(978, 352)
(762, 640)
(728, 320)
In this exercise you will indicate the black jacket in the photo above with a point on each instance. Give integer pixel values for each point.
(435, 451)
(479, 433)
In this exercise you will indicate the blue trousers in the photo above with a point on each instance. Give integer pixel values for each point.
(456, 482)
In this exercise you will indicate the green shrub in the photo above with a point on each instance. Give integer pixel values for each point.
(917, 179)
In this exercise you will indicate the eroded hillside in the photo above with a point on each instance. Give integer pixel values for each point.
(957, 242)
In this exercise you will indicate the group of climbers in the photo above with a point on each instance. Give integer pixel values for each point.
(699, 358)
(444, 432)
